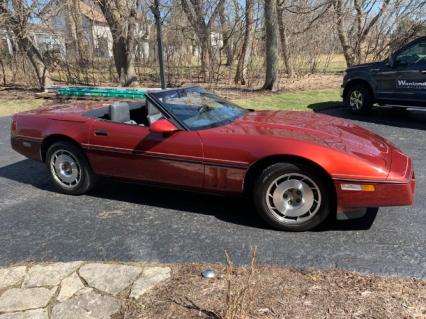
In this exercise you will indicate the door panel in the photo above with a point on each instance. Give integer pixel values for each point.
(385, 83)
(402, 84)
(133, 152)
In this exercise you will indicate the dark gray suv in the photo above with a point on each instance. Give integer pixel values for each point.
(397, 81)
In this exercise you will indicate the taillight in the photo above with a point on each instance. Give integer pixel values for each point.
(13, 126)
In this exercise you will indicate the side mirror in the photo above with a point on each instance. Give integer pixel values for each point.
(163, 126)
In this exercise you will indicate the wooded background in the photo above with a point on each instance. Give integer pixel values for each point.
(245, 43)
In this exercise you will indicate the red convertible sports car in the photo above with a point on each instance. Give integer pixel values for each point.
(298, 167)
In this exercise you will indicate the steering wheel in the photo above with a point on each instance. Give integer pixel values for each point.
(203, 108)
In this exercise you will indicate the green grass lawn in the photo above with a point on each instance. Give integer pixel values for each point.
(298, 101)
(9, 107)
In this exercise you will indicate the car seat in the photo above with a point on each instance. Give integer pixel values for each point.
(120, 112)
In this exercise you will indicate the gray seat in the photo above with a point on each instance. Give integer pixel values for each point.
(120, 112)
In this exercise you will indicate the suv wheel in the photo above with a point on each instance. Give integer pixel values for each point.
(359, 98)
(292, 197)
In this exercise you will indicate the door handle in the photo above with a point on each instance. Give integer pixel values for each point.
(101, 133)
(423, 71)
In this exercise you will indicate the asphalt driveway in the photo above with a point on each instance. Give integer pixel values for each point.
(131, 222)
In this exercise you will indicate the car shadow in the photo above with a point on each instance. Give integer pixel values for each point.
(413, 119)
(236, 210)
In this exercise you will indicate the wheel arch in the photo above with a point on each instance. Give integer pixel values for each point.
(257, 167)
(54, 138)
(353, 82)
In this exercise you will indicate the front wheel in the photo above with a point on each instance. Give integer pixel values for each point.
(292, 197)
(69, 169)
(360, 99)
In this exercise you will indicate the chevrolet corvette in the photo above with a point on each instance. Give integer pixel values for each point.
(298, 168)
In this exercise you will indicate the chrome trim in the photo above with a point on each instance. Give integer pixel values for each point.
(346, 180)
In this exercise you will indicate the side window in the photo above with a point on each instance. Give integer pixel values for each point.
(414, 55)
(154, 114)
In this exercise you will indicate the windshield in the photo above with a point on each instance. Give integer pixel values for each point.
(198, 109)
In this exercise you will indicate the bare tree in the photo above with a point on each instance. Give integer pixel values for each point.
(121, 17)
(196, 14)
(284, 34)
(271, 34)
(77, 45)
(244, 60)
(16, 16)
(353, 33)
(226, 35)
(306, 35)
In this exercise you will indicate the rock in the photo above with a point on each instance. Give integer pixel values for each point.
(49, 275)
(83, 291)
(110, 278)
(11, 276)
(151, 276)
(90, 305)
(30, 314)
(69, 287)
(18, 299)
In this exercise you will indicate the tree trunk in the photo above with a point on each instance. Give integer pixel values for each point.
(71, 43)
(271, 33)
(347, 52)
(76, 41)
(241, 74)
(122, 23)
(196, 17)
(226, 36)
(359, 26)
(205, 54)
(284, 43)
(81, 39)
(36, 60)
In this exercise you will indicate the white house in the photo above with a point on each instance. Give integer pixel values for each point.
(95, 27)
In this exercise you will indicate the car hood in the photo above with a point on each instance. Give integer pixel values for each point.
(323, 130)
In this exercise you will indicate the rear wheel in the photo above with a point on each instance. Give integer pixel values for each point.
(69, 169)
(292, 197)
(359, 98)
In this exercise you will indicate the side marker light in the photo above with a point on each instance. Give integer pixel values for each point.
(357, 187)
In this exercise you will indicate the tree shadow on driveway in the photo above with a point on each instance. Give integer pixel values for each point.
(413, 119)
(236, 210)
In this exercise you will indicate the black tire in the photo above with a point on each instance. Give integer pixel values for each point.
(86, 178)
(265, 184)
(361, 93)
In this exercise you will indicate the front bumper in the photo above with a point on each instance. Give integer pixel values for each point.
(385, 194)
(397, 190)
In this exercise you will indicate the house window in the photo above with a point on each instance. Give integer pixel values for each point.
(102, 47)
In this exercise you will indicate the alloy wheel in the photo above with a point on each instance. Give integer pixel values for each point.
(293, 198)
(65, 168)
(356, 100)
